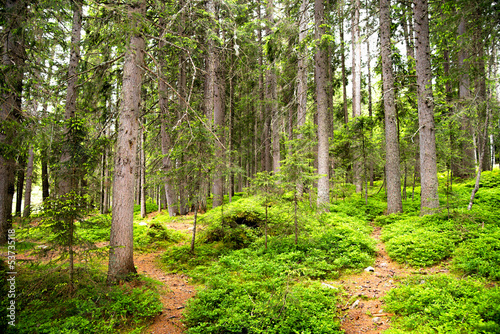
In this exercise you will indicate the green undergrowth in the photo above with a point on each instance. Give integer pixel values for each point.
(250, 289)
(45, 303)
(155, 236)
(443, 304)
(423, 241)
(249, 212)
(266, 306)
(479, 256)
(148, 236)
(469, 238)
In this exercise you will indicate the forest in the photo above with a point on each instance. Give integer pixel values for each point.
(262, 166)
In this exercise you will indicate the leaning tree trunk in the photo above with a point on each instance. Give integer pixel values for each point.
(10, 106)
(121, 260)
(394, 202)
(429, 200)
(321, 72)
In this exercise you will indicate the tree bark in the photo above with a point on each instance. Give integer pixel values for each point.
(272, 111)
(463, 167)
(29, 181)
(21, 174)
(370, 109)
(342, 56)
(321, 72)
(121, 260)
(45, 175)
(302, 76)
(142, 139)
(393, 173)
(214, 106)
(429, 200)
(356, 85)
(67, 177)
(10, 107)
(165, 136)
(219, 122)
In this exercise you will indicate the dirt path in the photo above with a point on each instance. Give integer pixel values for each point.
(175, 291)
(364, 308)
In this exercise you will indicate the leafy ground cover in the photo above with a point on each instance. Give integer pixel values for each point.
(444, 304)
(45, 302)
(251, 288)
(256, 276)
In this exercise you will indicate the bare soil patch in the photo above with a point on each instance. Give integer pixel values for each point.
(175, 291)
(363, 305)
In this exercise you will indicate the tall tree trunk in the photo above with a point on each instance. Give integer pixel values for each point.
(342, 56)
(356, 85)
(142, 139)
(370, 111)
(321, 72)
(67, 177)
(219, 122)
(262, 110)
(10, 107)
(29, 181)
(272, 111)
(214, 106)
(302, 76)
(464, 165)
(21, 174)
(45, 174)
(165, 125)
(393, 174)
(429, 201)
(182, 90)
(121, 260)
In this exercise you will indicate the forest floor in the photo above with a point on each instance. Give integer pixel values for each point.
(363, 305)
(175, 290)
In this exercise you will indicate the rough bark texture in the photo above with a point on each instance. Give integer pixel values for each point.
(342, 56)
(302, 76)
(67, 178)
(165, 125)
(121, 261)
(260, 125)
(356, 85)
(394, 202)
(10, 107)
(271, 97)
(181, 89)
(463, 166)
(21, 166)
(142, 137)
(429, 201)
(320, 74)
(29, 182)
(45, 175)
(214, 106)
(219, 120)
(370, 109)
